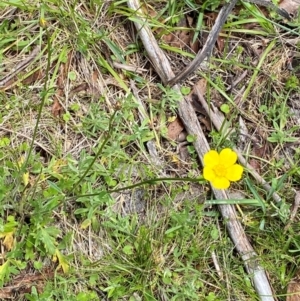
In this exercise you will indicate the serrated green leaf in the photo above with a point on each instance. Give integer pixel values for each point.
(4, 270)
(48, 237)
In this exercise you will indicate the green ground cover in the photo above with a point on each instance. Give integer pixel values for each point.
(83, 214)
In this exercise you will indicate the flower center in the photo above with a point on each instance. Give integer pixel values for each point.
(220, 170)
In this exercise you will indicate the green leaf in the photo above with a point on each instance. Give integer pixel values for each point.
(38, 265)
(4, 270)
(225, 108)
(9, 226)
(86, 296)
(48, 237)
(66, 116)
(214, 233)
(86, 223)
(81, 211)
(128, 250)
(190, 138)
(63, 262)
(72, 75)
(4, 141)
(185, 90)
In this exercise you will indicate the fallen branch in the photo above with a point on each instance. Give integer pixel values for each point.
(189, 118)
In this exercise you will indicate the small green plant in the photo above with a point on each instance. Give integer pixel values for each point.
(225, 108)
(84, 203)
(169, 99)
(185, 90)
(292, 83)
(280, 135)
(278, 114)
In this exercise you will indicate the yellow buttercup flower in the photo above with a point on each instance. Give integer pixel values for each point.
(221, 169)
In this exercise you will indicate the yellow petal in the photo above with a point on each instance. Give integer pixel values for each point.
(211, 158)
(43, 22)
(208, 173)
(26, 178)
(234, 172)
(220, 183)
(228, 157)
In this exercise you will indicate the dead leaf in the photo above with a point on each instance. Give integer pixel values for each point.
(255, 164)
(195, 46)
(260, 153)
(4, 294)
(206, 122)
(295, 207)
(25, 175)
(57, 108)
(79, 88)
(201, 85)
(182, 38)
(290, 6)
(220, 44)
(190, 21)
(23, 284)
(293, 290)
(295, 65)
(183, 152)
(33, 77)
(148, 10)
(174, 129)
(8, 241)
(63, 262)
(178, 40)
(243, 132)
(63, 71)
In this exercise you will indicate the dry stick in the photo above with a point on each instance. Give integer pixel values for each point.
(189, 118)
(270, 4)
(208, 46)
(294, 210)
(218, 119)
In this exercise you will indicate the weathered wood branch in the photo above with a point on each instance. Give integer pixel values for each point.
(189, 118)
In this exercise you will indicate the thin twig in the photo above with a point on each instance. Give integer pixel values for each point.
(270, 4)
(216, 264)
(208, 46)
(294, 210)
